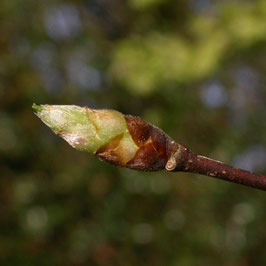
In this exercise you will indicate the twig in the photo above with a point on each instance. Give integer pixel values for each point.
(128, 141)
(183, 159)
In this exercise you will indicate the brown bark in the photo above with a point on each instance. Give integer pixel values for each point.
(185, 160)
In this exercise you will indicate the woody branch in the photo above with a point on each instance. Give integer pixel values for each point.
(183, 159)
(128, 141)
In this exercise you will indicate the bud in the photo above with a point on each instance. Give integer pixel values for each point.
(122, 140)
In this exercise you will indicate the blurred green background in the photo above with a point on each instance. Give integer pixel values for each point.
(194, 68)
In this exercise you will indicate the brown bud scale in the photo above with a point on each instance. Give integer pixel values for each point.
(154, 145)
(138, 129)
(110, 151)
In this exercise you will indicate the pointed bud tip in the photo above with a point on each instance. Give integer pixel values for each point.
(37, 108)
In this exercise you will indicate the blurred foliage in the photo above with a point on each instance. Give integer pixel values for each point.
(194, 68)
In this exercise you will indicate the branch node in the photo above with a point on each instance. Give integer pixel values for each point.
(175, 160)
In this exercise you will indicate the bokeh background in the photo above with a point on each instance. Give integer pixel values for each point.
(195, 68)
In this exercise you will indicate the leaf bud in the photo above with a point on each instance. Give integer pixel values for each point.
(122, 140)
